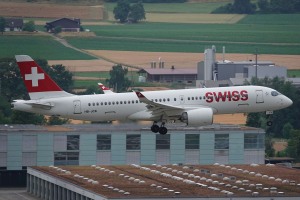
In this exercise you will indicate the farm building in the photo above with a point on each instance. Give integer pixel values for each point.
(171, 75)
(13, 24)
(28, 145)
(66, 24)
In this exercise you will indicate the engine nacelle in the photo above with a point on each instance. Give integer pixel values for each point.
(198, 117)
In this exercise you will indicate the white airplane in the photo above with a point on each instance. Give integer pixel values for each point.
(195, 107)
(105, 89)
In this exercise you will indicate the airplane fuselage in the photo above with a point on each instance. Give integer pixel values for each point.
(127, 106)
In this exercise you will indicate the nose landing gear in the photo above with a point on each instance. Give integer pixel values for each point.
(269, 118)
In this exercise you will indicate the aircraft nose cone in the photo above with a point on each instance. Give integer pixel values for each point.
(289, 102)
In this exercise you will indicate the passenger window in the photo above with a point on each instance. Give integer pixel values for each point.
(93, 104)
(168, 99)
(101, 103)
(117, 102)
(89, 104)
(132, 101)
(192, 98)
(108, 103)
(97, 103)
(188, 98)
(137, 101)
(174, 99)
(113, 103)
(105, 103)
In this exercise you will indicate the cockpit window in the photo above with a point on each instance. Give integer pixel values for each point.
(274, 93)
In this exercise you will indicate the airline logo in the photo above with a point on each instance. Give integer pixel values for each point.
(226, 96)
(34, 77)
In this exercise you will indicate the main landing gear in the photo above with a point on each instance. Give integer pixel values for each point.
(161, 129)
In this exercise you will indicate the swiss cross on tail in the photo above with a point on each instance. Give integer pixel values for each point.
(34, 77)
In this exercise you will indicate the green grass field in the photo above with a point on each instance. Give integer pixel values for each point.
(293, 73)
(102, 75)
(175, 7)
(254, 31)
(37, 47)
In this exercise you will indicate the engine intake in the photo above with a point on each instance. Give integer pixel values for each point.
(198, 117)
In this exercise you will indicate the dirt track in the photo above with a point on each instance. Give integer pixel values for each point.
(37, 10)
(179, 60)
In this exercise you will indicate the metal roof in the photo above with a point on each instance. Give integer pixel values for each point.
(164, 71)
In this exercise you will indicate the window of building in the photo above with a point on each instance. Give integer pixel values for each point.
(192, 141)
(163, 141)
(221, 141)
(3, 143)
(254, 141)
(104, 142)
(66, 158)
(133, 142)
(29, 143)
(72, 142)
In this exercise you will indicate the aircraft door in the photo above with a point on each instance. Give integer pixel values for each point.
(77, 107)
(259, 96)
(181, 99)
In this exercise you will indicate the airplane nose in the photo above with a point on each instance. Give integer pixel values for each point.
(287, 102)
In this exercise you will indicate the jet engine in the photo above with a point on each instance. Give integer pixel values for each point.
(198, 117)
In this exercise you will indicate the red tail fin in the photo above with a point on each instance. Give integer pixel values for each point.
(105, 89)
(38, 83)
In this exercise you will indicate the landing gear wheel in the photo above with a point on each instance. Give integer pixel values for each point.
(269, 123)
(163, 130)
(154, 128)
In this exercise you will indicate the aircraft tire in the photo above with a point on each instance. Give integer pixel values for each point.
(163, 130)
(269, 123)
(155, 128)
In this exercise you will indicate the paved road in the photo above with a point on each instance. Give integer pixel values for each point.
(15, 194)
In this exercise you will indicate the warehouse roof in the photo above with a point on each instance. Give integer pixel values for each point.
(155, 181)
(116, 127)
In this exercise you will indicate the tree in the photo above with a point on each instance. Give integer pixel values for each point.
(29, 26)
(263, 5)
(118, 80)
(239, 6)
(243, 7)
(137, 12)
(280, 117)
(121, 11)
(19, 117)
(59, 74)
(2, 24)
(293, 148)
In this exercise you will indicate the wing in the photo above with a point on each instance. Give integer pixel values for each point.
(161, 109)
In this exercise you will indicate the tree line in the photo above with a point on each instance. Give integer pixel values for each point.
(262, 6)
(150, 1)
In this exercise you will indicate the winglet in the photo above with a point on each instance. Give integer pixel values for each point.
(104, 88)
(139, 94)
